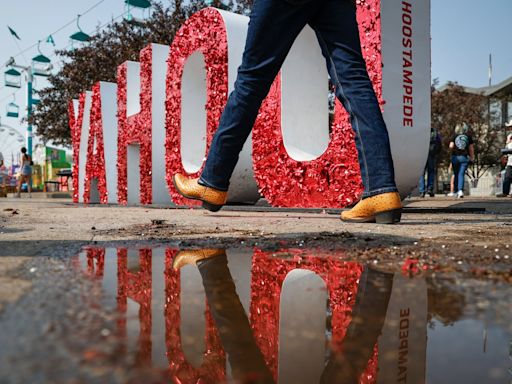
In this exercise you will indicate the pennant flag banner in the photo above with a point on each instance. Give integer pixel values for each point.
(50, 40)
(13, 32)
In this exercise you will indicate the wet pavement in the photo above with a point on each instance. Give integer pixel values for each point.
(283, 315)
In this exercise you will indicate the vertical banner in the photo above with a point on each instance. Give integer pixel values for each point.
(406, 86)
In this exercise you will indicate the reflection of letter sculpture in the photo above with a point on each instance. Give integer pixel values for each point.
(136, 286)
(213, 368)
(268, 274)
(359, 300)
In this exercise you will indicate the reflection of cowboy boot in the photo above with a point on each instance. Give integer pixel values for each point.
(385, 208)
(192, 256)
(213, 199)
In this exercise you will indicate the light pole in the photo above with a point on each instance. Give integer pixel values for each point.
(30, 78)
(40, 66)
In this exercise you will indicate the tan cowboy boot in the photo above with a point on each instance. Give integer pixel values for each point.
(385, 208)
(212, 198)
(194, 255)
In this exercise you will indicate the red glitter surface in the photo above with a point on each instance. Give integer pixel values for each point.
(333, 179)
(75, 125)
(135, 129)
(204, 32)
(268, 274)
(95, 166)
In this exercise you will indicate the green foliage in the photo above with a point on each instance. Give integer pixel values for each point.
(98, 61)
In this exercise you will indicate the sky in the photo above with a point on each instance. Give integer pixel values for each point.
(464, 33)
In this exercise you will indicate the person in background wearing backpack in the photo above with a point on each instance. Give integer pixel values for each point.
(463, 152)
(430, 167)
(508, 169)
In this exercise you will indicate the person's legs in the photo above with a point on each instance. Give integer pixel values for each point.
(456, 170)
(273, 27)
(463, 161)
(338, 34)
(20, 183)
(431, 172)
(337, 31)
(245, 358)
(421, 183)
(368, 315)
(507, 180)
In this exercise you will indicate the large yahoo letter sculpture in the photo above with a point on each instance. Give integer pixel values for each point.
(141, 94)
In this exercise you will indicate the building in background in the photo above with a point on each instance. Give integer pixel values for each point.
(48, 163)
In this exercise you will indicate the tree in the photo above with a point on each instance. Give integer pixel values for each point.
(98, 61)
(453, 106)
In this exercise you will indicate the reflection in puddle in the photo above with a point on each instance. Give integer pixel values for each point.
(298, 316)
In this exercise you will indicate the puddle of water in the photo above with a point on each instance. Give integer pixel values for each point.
(301, 316)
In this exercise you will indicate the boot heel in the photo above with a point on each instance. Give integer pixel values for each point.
(211, 207)
(389, 217)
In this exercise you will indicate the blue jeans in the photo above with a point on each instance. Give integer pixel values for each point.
(273, 27)
(507, 179)
(460, 165)
(430, 170)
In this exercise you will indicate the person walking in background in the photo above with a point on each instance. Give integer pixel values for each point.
(273, 27)
(452, 181)
(25, 172)
(4, 175)
(463, 152)
(430, 168)
(507, 180)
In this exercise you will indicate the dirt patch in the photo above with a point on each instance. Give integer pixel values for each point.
(11, 287)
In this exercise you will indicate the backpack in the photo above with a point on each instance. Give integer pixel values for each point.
(462, 142)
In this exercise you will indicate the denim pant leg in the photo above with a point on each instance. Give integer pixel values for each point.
(368, 318)
(337, 31)
(507, 180)
(455, 169)
(431, 172)
(273, 27)
(463, 162)
(245, 358)
(421, 183)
